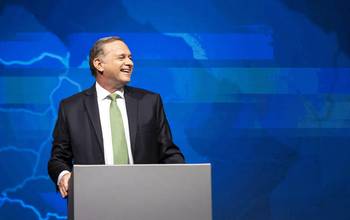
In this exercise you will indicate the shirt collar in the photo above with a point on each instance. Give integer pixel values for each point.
(102, 93)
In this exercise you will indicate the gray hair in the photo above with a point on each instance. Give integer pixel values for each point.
(97, 50)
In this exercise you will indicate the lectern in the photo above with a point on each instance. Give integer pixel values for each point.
(141, 192)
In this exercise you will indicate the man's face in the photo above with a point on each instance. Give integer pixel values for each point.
(116, 63)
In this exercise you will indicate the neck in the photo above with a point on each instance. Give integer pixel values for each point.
(110, 88)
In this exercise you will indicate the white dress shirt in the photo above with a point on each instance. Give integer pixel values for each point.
(103, 106)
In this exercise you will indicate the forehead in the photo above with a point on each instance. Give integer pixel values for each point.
(116, 47)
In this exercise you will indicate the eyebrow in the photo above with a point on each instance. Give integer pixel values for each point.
(122, 54)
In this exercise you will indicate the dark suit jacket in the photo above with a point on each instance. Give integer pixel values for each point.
(77, 137)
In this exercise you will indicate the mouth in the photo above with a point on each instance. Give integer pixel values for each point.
(126, 71)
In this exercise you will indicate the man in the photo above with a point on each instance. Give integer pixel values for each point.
(110, 123)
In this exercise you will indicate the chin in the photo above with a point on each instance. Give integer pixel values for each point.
(127, 79)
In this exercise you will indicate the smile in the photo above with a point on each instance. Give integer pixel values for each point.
(126, 70)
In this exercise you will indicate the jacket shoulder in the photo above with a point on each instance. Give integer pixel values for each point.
(76, 98)
(136, 90)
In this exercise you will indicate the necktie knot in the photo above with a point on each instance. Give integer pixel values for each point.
(113, 96)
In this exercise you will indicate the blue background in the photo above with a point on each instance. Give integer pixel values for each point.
(260, 89)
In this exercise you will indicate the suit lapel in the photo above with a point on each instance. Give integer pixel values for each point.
(132, 110)
(91, 106)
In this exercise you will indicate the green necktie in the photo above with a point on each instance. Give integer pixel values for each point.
(120, 149)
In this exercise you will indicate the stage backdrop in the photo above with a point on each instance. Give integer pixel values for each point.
(260, 89)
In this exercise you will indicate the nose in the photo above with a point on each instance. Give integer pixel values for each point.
(129, 62)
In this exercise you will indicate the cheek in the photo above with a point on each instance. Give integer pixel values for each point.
(117, 63)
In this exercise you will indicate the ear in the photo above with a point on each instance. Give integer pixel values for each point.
(98, 64)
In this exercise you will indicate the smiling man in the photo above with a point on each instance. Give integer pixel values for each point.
(110, 123)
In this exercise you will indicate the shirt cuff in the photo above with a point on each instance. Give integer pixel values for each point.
(61, 175)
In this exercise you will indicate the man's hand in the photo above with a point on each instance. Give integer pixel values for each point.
(63, 184)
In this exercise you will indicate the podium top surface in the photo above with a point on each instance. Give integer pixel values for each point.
(147, 165)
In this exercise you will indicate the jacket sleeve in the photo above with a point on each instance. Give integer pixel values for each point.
(169, 152)
(61, 153)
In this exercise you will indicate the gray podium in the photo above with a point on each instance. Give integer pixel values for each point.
(141, 192)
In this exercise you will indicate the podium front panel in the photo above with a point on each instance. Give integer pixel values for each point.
(142, 192)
